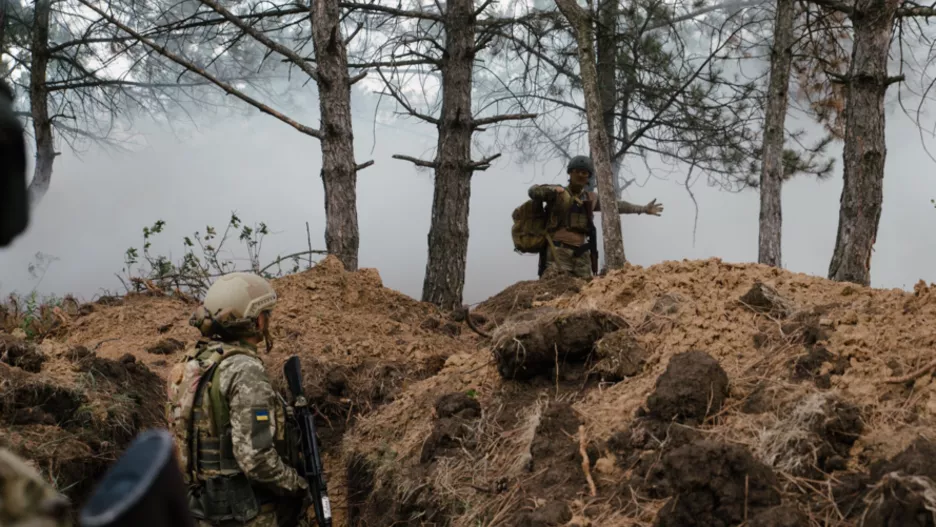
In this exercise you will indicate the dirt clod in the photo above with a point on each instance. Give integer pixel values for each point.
(459, 405)
(814, 438)
(529, 346)
(765, 299)
(782, 516)
(902, 489)
(524, 296)
(21, 354)
(619, 356)
(453, 430)
(78, 353)
(714, 485)
(166, 347)
(818, 365)
(549, 515)
(693, 387)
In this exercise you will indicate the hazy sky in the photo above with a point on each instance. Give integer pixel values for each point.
(266, 171)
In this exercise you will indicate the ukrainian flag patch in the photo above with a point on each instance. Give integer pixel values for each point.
(261, 415)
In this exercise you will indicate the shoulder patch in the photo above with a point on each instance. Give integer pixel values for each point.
(261, 432)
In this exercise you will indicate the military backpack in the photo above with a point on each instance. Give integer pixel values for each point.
(529, 231)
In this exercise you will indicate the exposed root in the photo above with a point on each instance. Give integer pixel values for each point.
(474, 326)
(583, 441)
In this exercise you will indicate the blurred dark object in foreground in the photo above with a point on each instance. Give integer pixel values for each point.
(143, 489)
(14, 202)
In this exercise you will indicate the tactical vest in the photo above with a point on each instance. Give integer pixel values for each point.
(572, 213)
(198, 415)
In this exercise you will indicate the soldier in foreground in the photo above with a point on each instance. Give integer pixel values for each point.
(229, 424)
(570, 221)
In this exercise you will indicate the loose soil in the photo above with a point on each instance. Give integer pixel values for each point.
(686, 393)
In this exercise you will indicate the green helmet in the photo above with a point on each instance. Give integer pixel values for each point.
(232, 305)
(581, 163)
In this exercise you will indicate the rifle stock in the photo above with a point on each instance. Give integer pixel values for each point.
(311, 464)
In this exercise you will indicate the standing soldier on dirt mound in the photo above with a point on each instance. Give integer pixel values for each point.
(571, 219)
(235, 441)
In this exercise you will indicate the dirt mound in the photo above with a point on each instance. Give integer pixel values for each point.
(690, 393)
(716, 381)
(360, 345)
(524, 296)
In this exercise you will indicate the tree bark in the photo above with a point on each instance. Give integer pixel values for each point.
(865, 150)
(448, 235)
(39, 103)
(339, 171)
(771, 180)
(597, 135)
(605, 36)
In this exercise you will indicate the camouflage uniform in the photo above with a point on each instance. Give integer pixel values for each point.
(568, 223)
(26, 500)
(570, 219)
(236, 446)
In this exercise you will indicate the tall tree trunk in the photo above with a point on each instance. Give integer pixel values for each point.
(865, 150)
(39, 103)
(771, 180)
(605, 37)
(448, 235)
(339, 172)
(597, 135)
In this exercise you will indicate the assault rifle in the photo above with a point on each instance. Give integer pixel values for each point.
(311, 468)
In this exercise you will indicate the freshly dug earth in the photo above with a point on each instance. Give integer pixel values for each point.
(360, 345)
(689, 393)
(72, 419)
(741, 393)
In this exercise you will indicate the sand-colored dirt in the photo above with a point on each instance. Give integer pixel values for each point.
(791, 405)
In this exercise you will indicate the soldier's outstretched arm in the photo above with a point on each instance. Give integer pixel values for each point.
(253, 403)
(626, 207)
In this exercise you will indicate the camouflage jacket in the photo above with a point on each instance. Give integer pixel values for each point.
(257, 418)
(26, 500)
(568, 218)
(238, 415)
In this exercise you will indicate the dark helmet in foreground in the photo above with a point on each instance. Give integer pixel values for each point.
(581, 163)
(14, 204)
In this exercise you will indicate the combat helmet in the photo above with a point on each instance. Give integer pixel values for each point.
(581, 163)
(232, 305)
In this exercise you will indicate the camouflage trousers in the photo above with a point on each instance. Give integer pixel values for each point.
(563, 259)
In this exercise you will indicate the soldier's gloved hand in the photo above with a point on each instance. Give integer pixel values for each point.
(653, 208)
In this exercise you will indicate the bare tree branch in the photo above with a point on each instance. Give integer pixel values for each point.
(417, 162)
(210, 78)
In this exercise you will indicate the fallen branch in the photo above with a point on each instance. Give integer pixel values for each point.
(585, 465)
(912, 376)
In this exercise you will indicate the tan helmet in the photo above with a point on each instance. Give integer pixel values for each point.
(232, 305)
